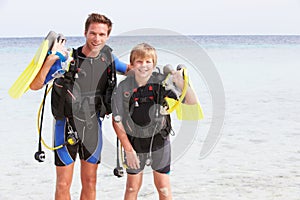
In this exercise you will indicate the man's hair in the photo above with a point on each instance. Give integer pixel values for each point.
(98, 18)
(143, 50)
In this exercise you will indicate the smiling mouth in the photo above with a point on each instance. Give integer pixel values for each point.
(96, 45)
(143, 70)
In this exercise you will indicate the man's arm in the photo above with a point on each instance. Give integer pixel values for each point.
(121, 66)
(58, 46)
(39, 80)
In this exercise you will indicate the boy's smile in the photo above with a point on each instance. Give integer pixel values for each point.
(143, 67)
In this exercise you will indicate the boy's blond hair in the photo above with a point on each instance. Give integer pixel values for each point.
(143, 50)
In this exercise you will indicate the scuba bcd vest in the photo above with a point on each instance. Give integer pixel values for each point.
(85, 89)
(151, 94)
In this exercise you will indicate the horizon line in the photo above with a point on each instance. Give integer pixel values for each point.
(172, 35)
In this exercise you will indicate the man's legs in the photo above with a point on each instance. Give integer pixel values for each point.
(88, 180)
(64, 175)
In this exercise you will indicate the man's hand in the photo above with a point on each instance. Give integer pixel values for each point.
(59, 49)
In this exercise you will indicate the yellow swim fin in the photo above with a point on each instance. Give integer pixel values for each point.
(185, 111)
(21, 85)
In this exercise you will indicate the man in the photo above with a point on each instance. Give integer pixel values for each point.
(93, 60)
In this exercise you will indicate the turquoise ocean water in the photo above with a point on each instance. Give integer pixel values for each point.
(255, 155)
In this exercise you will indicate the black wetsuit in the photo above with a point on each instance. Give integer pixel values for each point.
(142, 111)
(91, 83)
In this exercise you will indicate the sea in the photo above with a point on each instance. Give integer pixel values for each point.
(246, 147)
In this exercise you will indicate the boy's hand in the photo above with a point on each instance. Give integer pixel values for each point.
(178, 79)
(132, 160)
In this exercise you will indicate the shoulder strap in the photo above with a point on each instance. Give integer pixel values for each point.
(105, 106)
(111, 70)
(74, 65)
(127, 89)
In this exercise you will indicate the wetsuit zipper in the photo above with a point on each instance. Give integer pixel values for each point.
(92, 75)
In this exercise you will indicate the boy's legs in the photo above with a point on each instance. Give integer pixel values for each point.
(133, 185)
(162, 184)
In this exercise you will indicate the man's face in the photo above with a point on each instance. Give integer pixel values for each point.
(96, 36)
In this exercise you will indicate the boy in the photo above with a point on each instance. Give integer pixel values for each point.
(138, 104)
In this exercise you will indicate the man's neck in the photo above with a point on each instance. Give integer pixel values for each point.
(88, 53)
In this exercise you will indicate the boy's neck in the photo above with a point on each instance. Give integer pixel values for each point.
(141, 81)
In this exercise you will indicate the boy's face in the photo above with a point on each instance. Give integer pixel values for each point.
(143, 67)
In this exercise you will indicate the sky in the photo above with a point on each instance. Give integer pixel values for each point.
(190, 17)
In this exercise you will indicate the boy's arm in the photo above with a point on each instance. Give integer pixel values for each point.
(190, 97)
(131, 157)
(120, 131)
(117, 110)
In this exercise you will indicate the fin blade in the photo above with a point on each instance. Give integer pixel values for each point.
(21, 85)
(186, 111)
